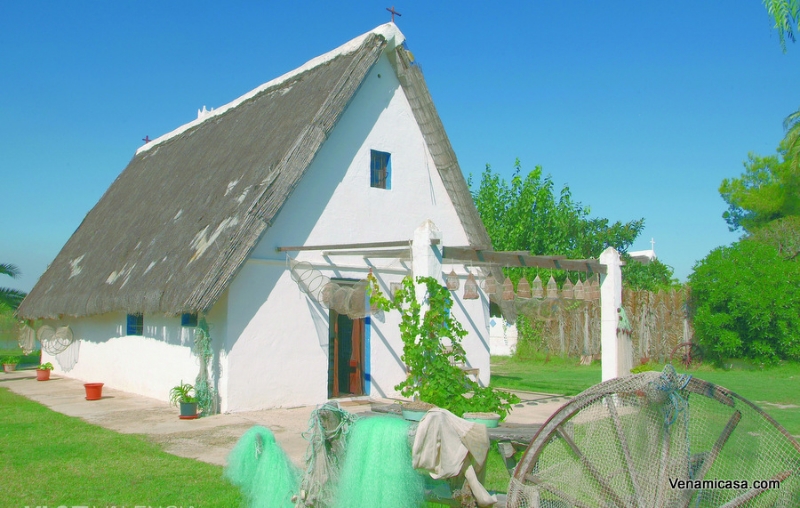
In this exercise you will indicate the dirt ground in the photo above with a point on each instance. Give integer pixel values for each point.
(209, 439)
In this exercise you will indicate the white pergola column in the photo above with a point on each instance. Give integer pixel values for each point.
(617, 352)
(426, 258)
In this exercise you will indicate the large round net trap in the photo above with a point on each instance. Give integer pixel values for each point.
(343, 298)
(27, 338)
(658, 440)
(310, 280)
(55, 341)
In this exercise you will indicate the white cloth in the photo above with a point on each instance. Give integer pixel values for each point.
(447, 446)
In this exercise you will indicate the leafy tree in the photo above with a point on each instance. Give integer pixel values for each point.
(10, 297)
(527, 215)
(652, 276)
(782, 234)
(769, 189)
(746, 303)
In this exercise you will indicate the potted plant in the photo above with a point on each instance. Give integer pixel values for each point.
(10, 363)
(43, 371)
(183, 396)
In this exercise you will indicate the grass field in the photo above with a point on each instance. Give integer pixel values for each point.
(49, 459)
(776, 390)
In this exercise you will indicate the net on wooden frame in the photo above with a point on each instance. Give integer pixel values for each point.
(658, 440)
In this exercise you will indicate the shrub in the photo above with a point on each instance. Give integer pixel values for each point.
(745, 302)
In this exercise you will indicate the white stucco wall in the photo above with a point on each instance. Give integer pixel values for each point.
(148, 365)
(277, 342)
(502, 337)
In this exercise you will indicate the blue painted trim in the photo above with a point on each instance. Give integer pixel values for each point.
(367, 354)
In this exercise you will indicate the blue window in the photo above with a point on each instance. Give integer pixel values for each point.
(189, 319)
(135, 324)
(380, 170)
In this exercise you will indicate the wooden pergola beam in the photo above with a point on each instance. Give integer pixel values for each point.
(342, 246)
(519, 259)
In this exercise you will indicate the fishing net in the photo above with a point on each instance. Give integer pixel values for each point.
(55, 341)
(204, 392)
(629, 441)
(261, 469)
(377, 470)
(344, 299)
(328, 428)
(27, 338)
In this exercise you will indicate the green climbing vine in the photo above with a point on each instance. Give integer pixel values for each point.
(206, 396)
(432, 351)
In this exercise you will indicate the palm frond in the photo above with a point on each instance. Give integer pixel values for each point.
(11, 297)
(10, 270)
(791, 143)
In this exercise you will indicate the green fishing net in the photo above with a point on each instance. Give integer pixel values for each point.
(261, 469)
(377, 468)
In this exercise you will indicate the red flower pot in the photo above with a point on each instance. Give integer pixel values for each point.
(42, 374)
(94, 391)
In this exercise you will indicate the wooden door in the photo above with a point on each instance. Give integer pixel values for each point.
(345, 356)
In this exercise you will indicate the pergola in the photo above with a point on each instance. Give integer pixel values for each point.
(427, 255)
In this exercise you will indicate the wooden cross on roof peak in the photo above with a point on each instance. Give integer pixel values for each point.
(146, 139)
(393, 12)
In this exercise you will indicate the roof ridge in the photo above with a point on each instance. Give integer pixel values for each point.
(389, 31)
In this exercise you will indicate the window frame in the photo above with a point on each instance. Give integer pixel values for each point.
(134, 324)
(380, 164)
(189, 319)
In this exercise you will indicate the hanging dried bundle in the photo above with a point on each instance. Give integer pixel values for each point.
(566, 289)
(595, 290)
(578, 290)
(508, 289)
(490, 285)
(537, 287)
(523, 288)
(552, 288)
(452, 281)
(470, 288)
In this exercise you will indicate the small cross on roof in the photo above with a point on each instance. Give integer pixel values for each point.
(393, 12)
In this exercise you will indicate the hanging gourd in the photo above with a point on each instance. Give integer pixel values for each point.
(470, 288)
(552, 288)
(508, 289)
(452, 281)
(578, 290)
(566, 289)
(523, 288)
(537, 287)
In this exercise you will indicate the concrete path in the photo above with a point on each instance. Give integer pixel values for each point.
(208, 439)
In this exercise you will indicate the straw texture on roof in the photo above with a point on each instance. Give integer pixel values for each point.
(172, 231)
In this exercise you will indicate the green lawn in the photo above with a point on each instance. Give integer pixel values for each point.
(47, 458)
(770, 388)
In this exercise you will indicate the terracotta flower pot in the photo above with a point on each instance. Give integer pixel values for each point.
(42, 374)
(94, 391)
(9, 367)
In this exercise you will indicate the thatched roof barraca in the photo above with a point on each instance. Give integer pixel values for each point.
(174, 228)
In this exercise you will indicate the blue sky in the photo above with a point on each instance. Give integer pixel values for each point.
(642, 108)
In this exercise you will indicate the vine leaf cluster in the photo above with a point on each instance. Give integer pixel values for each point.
(432, 351)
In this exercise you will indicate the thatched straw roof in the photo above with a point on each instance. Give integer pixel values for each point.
(171, 232)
